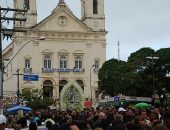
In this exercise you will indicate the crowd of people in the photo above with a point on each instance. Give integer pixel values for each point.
(89, 119)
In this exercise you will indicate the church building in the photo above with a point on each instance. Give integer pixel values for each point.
(59, 50)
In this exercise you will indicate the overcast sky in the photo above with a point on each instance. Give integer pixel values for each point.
(135, 23)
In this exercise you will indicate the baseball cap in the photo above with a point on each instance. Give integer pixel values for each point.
(121, 109)
(3, 119)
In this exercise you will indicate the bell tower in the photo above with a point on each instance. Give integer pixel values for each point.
(92, 14)
(31, 15)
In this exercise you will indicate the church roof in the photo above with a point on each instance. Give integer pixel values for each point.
(61, 4)
(62, 11)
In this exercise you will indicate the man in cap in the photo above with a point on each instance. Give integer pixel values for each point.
(3, 121)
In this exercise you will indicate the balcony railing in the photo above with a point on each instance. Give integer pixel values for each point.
(51, 70)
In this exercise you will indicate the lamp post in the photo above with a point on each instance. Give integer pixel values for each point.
(17, 86)
(1, 63)
(91, 92)
(41, 38)
(153, 83)
(5, 66)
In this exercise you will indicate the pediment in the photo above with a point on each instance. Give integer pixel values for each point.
(63, 21)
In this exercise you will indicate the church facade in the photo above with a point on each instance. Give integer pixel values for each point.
(60, 50)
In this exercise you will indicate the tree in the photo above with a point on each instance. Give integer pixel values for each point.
(138, 63)
(135, 77)
(114, 77)
(35, 100)
(163, 74)
(137, 60)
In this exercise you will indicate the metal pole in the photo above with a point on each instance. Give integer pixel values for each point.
(1, 63)
(18, 86)
(91, 92)
(153, 75)
(59, 88)
(153, 83)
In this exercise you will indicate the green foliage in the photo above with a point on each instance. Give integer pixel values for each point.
(138, 58)
(135, 77)
(164, 55)
(35, 100)
(113, 77)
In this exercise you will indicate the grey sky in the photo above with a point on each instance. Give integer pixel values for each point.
(135, 23)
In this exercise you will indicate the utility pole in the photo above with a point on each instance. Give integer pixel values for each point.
(7, 33)
(118, 44)
(18, 91)
(91, 89)
(17, 86)
(152, 58)
(1, 64)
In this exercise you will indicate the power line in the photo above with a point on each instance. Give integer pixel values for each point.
(2, 30)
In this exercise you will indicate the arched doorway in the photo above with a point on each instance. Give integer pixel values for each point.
(80, 82)
(62, 83)
(47, 88)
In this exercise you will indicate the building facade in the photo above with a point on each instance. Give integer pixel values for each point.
(73, 50)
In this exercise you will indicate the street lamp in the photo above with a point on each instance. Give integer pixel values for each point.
(91, 93)
(41, 38)
(153, 83)
(4, 67)
(17, 86)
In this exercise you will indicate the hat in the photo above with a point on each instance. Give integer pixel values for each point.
(121, 109)
(49, 119)
(3, 119)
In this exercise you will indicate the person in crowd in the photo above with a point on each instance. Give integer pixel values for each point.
(33, 126)
(141, 123)
(49, 118)
(3, 121)
(89, 124)
(157, 111)
(166, 118)
(121, 113)
(55, 127)
(74, 127)
(12, 122)
(154, 119)
(117, 125)
(36, 117)
(143, 113)
(98, 129)
(160, 127)
(64, 126)
(129, 117)
(49, 125)
(23, 123)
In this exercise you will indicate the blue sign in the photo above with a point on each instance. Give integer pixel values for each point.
(30, 77)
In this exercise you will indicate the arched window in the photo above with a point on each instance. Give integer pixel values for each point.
(80, 82)
(47, 88)
(47, 61)
(27, 63)
(95, 7)
(26, 4)
(96, 64)
(63, 61)
(78, 62)
(62, 83)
